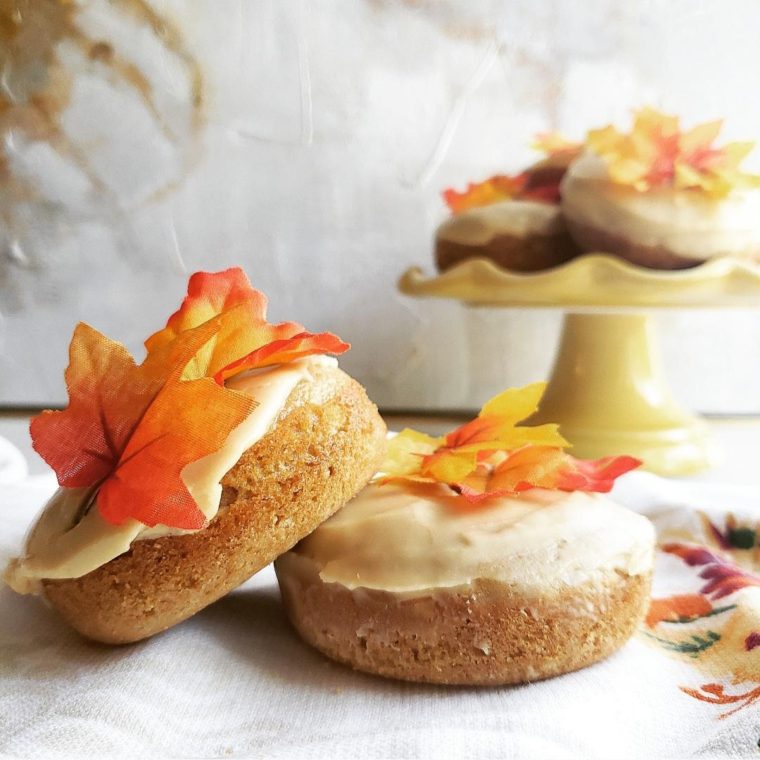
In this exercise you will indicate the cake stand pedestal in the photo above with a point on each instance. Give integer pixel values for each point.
(607, 389)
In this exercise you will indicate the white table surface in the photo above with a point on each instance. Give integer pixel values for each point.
(235, 681)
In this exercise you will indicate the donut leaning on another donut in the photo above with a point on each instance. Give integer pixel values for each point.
(325, 444)
(185, 474)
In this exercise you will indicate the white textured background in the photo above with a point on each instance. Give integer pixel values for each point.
(326, 131)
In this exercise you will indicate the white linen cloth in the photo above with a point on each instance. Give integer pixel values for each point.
(235, 680)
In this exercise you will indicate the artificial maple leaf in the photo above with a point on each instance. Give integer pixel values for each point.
(539, 183)
(283, 351)
(245, 339)
(598, 475)
(657, 153)
(495, 428)
(500, 187)
(543, 467)
(186, 421)
(696, 144)
(493, 455)
(130, 430)
(405, 451)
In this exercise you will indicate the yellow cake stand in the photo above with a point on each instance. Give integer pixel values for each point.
(607, 389)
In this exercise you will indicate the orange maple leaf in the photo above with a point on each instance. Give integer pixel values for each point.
(495, 428)
(500, 187)
(493, 455)
(245, 339)
(130, 430)
(543, 467)
(539, 182)
(674, 608)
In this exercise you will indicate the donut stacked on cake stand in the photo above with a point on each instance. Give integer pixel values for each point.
(655, 219)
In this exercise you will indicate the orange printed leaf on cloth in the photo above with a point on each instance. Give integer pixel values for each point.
(677, 608)
(130, 429)
(245, 339)
(658, 153)
(493, 455)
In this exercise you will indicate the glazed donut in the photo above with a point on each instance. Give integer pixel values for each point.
(662, 197)
(514, 221)
(519, 235)
(662, 228)
(406, 583)
(323, 447)
(183, 476)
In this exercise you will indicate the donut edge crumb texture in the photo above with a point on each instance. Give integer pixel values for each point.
(479, 634)
(326, 443)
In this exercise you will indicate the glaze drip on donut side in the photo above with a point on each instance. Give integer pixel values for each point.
(60, 545)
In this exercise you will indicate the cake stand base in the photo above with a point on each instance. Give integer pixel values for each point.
(609, 395)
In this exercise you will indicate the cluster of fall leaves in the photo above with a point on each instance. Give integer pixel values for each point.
(656, 152)
(130, 429)
(539, 182)
(493, 455)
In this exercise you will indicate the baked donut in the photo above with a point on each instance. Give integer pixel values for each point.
(308, 441)
(514, 221)
(421, 580)
(661, 198)
(522, 236)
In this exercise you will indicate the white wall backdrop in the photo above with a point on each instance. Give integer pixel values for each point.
(309, 140)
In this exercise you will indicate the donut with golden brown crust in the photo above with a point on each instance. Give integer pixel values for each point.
(410, 581)
(324, 446)
(521, 236)
(480, 634)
